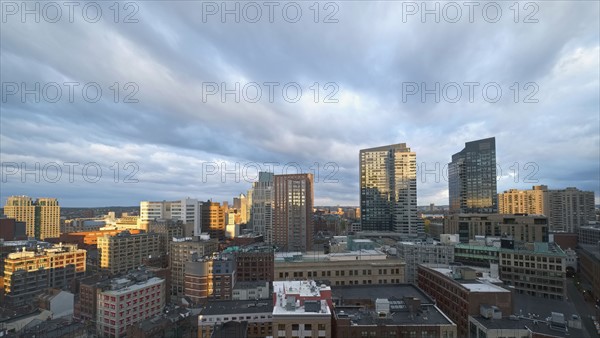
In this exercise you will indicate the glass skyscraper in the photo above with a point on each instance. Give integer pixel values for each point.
(472, 178)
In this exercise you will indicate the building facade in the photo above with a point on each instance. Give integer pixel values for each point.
(209, 279)
(261, 198)
(126, 301)
(27, 273)
(185, 249)
(566, 209)
(459, 294)
(388, 190)
(472, 178)
(124, 251)
(526, 228)
(42, 217)
(186, 210)
(293, 212)
(354, 268)
(415, 253)
(213, 220)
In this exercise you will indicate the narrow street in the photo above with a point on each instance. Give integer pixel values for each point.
(585, 309)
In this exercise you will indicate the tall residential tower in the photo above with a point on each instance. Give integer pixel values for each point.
(388, 190)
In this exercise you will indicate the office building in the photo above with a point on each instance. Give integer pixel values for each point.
(213, 220)
(261, 198)
(536, 269)
(11, 229)
(301, 309)
(216, 314)
(388, 190)
(240, 204)
(345, 268)
(251, 290)
(415, 253)
(255, 264)
(525, 228)
(124, 251)
(186, 210)
(399, 310)
(125, 301)
(209, 278)
(459, 292)
(27, 273)
(185, 249)
(42, 217)
(472, 178)
(293, 212)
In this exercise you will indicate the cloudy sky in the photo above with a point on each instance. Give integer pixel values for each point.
(193, 103)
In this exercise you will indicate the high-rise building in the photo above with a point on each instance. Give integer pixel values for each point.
(42, 217)
(124, 251)
(261, 197)
(388, 190)
(472, 178)
(186, 210)
(213, 219)
(293, 212)
(566, 209)
(239, 203)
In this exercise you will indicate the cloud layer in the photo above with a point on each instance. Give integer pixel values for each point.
(362, 80)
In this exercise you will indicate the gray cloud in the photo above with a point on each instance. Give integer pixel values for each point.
(171, 134)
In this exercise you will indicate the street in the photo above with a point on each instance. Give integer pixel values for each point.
(585, 309)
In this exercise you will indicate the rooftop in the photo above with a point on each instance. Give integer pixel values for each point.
(316, 256)
(401, 304)
(227, 307)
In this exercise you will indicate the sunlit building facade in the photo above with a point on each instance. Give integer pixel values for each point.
(42, 217)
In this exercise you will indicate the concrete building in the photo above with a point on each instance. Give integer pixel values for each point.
(293, 199)
(527, 228)
(536, 269)
(257, 314)
(476, 254)
(566, 209)
(348, 268)
(255, 264)
(87, 302)
(261, 198)
(186, 210)
(459, 293)
(472, 178)
(213, 220)
(126, 301)
(209, 278)
(251, 290)
(124, 251)
(415, 253)
(186, 249)
(28, 273)
(42, 217)
(388, 311)
(388, 190)
(240, 204)
(589, 268)
(589, 235)
(301, 309)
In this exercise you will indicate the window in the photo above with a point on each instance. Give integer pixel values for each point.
(295, 327)
(281, 327)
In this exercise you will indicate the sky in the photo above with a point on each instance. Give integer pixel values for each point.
(106, 105)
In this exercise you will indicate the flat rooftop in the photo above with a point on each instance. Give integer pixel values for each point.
(426, 314)
(228, 307)
(373, 292)
(317, 256)
(301, 288)
(481, 284)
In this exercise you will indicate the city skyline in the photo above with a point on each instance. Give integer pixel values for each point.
(377, 92)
